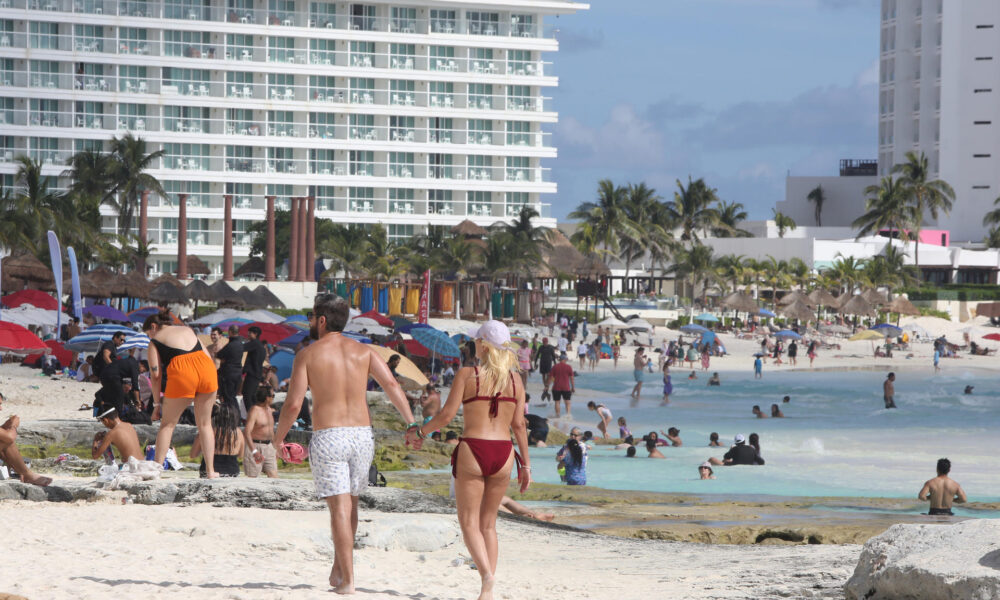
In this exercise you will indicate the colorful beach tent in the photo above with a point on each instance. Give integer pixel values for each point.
(282, 359)
(103, 311)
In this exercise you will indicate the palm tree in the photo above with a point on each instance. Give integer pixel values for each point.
(38, 209)
(692, 209)
(730, 215)
(992, 218)
(847, 272)
(992, 239)
(127, 177)
(799, 272)
(776, 275)
(605, 222)
(923, 196)
(15, 231)
(817, 198)
(458, 257)
(698, 265)
(783, 222)
(383, 258)
(753, 272)
(641, 208)
(529, 239)
(731, 268)
(887, 208)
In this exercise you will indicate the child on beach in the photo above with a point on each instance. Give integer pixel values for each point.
(623, 430)
(668, 387)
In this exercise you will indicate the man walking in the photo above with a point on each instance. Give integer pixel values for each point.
(563, 384)
(253, 368)
(546, 358)
(337, 369)
(638, 364)
(230, 359)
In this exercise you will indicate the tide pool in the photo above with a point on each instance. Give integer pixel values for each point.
(836, 439)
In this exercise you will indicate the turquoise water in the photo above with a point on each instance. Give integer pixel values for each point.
(836, 439)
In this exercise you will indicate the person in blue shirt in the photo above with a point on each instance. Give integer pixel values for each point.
(758, 368)
(573, 458)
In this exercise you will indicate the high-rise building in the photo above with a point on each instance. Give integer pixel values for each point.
(403, 113)
(939, 93)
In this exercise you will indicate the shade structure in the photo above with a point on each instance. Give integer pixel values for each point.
(220, 315)
(27, 314)
(87, 289)
(902, 306)
(409, 376)
(167, 278)
(254, 266)
(857, 306)
(371, 329)
(398, 322)
(364, 321)
(988, 309)
(64, 356)
(272, 333)
(282, 359)
(94, 336)
(36, 298)
(839, 329)
(766, 313)
(792, 297)
(135, 285)
(820, 296)
(437, 342)
(225, 295)
(168, 294)
(291, 319)
(613, 323)
(740, 302)
(265, 316)
(249, 298)
(199, 291)
(293, 340)
(18, 340)
(377, 317)
(798, 310)
(874, 297)
(103, 311)
(888, 329)
(267, 297)
(139, 341)
(469, 229)
(27, 268)
(196, 266)
(867, 334)
(639, 324)
(706, 317)
(788, 334)
(409, 328)
(693, 328)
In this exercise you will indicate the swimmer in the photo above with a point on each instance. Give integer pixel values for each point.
(714, 380)
(693, 375)
(756, 410)
(674, 435)
(630, 452)
(626, 443)
(786, 399)
(705, 470)
(889, 391)
(651, 448)
(668, 387)
(776, 412)
(942, 490)
(605, 415)
(713, 440)
(969, 388)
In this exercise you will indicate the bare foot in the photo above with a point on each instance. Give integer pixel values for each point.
(335, 577)
(544, 516)
(212, 475)
(487, 590)
(346, 587)
(38, 480)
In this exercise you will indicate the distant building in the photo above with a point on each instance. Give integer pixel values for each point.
(844, 196)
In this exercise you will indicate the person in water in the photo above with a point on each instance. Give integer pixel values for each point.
(713, 440)
(889, 390)
(705, 471)
(714, 380)
(623, 430)
(776, 412)
(756, 410)
(654, 452)
(605, 413)
(692, 375)
(942, 490)
(668, 387)
(674, 436)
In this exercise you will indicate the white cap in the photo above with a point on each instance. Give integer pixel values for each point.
(494, 333)
(739, 439)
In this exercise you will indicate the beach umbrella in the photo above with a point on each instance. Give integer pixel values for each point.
(820, 296)
(141, 314)
(27, 314)
(266, 296)
(437, 342)
(409, 328)
(693, 328)
(408, 374)
(103, 311)
(379, 318)
(139, 341)
(365, 322)
(613, 323)
(227, 323)
(272, 333)
(739, 302)
(371, 329)
(888, 329)
(282, 359)
(992, 336)
(798, 310)
(461, 338)
(296, 318)
(294, 339)
(638, 324)
(18, 340)
(167, 293)
(93, 336)
(220, 315)
(356, 337)
(36, 298)
(793, 297)
(788, 334)
(398, 322)
(867, 334)
(298, 324)
(902, 306)
(857, 306)
(64, 356)
(766, 313)
(707, 317)
(265, 316)
(874, 297)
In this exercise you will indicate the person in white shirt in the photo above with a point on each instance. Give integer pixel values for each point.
(562, 343)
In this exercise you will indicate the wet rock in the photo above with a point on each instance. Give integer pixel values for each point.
(945, 562)
(81, 433)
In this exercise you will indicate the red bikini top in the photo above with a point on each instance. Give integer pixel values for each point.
(494, 400)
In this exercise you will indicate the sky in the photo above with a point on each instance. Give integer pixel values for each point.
(738, 92)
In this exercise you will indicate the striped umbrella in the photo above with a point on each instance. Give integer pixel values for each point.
(94, 336)
(436, 341)
(139, 341)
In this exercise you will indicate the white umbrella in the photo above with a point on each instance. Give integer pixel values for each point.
(365, 322)
(263, 316)
(639, 324)
(375, 329)
(977, 330)
(223, 314)
(613, 322)
(26, 314)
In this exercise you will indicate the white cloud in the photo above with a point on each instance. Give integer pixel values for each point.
(625, 139)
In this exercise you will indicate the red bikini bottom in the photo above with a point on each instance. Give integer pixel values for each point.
(491, 455)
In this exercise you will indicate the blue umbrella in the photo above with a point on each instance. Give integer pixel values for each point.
(410, 328)
(293, 340)
(766, 313)
(788, 333)
(94, 336)
(707, 317)
(436, 341)
(693, 328)
(460, 338)
(295, 318)
(282, 359)
(357, 337)
(888, 329)
(139, 341)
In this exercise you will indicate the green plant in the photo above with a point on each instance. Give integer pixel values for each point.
(930, 312)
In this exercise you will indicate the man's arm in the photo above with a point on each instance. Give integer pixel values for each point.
(98, 449)
(248, 434)
(925, 492)
(960, 495)
(379, 370)
(293, 400)
(106, 355)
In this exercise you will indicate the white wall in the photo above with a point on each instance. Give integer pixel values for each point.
(845, 199)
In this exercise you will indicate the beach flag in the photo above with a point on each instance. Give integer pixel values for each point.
(55, 255)
(425, 299)
(75, 275)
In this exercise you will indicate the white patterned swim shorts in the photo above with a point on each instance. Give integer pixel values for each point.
(340, 458)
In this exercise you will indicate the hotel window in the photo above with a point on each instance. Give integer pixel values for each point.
(362, 17)
(362, 127)
(280, 85)
(401, 93)
(186, 9)
(442, 93)
(480, 131)
(439, 202)
(361, 199)
(240, 159)
(402, 56)
(189, 44)
(242, 238)
(44, 73)
(522, 25)
(323, 14)
(187, 81)
(44, 35)
(481, 60)
(6, 71)
(396, 231)
(515, 202)
(478, 204)
(479, 167)
(45, 113)
(519, 133)
(362, 54)
(282, 192)
(281, 160)
(482, 23)
(44, 149)
(442, 58)
(440, 130)
(401, 165)
(518, 168)
(241, 193)
(916, 130)
(322, 125)
(323, 87)
(239, 84)
(168, 227)
(362, 90)
(403, 19)
(439, 166)
(322, 161)
(132, 40)
(240, 11)
(7, 29)
(186, 119)
(519, 97)
(481, 95)
(198, 233)
(240, 121)
(280, 49)
(239, 46)
(443, 21)
(279, 11)
(323, 52)
(519, 62)
(325, 196)
(132, 116)
(6, 111)
(199, 193)
(362, 162)
(280, 123)
(186, 156)
(401, 129)
(88, 146)
(401, 201)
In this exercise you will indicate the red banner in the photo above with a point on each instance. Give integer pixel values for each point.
(425, 299)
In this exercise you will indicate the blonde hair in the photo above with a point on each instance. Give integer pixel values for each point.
(496, 365)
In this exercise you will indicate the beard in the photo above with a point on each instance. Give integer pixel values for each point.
(313, 332)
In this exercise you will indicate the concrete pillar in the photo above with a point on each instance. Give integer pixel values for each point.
(311, 240)
(293, 245)
(269, 246)
(227, 239)
(303, 218)
(143, 227)
(182, 232)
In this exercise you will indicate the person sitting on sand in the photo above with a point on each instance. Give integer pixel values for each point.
(776, 412)
(942, 490)
(705, 471)
(713, 440)
(714, 380)
(509, 505)
(674, 436)
(230, 443)
(756, 410)
(654, 452)
(120, 434)
(12, 456)
(605, 413)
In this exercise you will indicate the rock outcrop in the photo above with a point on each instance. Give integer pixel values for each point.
(406, 533)
(944, 562)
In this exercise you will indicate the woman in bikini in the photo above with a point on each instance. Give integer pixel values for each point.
(181, 371)
(492, 401)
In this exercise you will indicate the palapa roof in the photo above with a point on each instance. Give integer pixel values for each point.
(903, 306)
(196, 266)
(249, 298)
(793, 297)
(563, 257)
(87, 289)
(136, 285)
(857, 305)
(469, 229)
(874, 297)
(225, 295)
(255, 265)
(26, 267)
(266, 295)
(798, 310)
(739, 301)
(199, 291)
(166, 293)
(820, 296)
(167, 278)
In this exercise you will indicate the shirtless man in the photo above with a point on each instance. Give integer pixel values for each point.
(889, 391)
(120, 434)
(942, 490)
(756, 410)
(430, 403)
(12, 456)
(258, 451)
(342, 447)
(638, 364)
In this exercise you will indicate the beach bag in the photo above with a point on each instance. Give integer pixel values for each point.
(375, 479)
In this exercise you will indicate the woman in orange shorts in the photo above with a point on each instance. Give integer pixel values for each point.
(183, 372)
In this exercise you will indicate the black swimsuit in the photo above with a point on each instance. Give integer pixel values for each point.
(226, 465)
(167, 354)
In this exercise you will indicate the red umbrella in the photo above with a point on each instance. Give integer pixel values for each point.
(65, 356)
(377, 317)
(271, 333)
(992, 336)
(413, 348)
(17, 339)
(36, 298)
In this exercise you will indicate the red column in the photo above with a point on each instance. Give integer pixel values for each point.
(269, 247)
(182, 233)
(311, 240)
(227, 239)
(143, 226)
(303, 217)
(293, 245)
